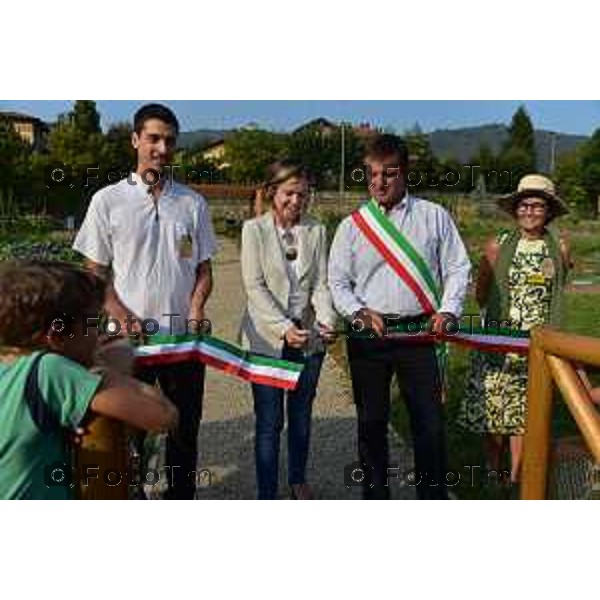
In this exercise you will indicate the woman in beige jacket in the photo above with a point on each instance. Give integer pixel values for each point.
(289, 314)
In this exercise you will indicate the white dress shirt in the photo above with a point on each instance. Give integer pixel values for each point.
(359, 277)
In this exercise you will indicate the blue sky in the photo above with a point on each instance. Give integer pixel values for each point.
(581, 117)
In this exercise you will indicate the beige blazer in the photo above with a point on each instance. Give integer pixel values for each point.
(267, 284)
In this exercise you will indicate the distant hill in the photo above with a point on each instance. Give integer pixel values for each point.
(461, 144)
(464, 143)
(188, 140)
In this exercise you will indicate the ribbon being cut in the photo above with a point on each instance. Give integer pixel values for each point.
(283, 374)
(221, 355)
(488, 339)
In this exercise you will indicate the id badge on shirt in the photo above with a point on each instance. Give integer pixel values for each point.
(544, 275)
(185, 246)
(536, 279)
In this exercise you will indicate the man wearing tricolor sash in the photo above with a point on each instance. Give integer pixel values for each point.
(397, 259)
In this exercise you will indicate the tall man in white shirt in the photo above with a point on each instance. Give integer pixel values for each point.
(153, 240)
(398, 260)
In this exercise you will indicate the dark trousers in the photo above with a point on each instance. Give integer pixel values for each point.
(373, 362)
(183, 385)
(269, 410)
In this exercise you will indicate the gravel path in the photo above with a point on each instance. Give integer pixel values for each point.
(226, 438)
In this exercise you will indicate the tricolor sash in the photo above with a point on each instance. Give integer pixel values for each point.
(169, 349)
(399, 254)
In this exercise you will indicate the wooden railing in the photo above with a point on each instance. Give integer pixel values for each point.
(551, 357)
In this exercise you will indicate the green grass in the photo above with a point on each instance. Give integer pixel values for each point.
(581, 317)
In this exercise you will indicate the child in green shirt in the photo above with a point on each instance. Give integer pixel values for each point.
(46, 387)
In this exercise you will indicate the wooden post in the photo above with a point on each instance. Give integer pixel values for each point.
(104, 447)
(536, 445)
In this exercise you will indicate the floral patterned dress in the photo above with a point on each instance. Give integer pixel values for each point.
(496, 396)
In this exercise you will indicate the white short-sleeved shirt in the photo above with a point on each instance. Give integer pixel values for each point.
(153, 250)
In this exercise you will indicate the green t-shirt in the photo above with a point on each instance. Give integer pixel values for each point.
(27, 453)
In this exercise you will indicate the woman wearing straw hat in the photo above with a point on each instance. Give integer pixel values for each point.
(289, 314)
(521, 279)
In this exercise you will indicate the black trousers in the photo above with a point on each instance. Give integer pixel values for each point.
(373, 362)
(183, 385)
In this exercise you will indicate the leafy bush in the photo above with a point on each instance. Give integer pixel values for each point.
(39, 250)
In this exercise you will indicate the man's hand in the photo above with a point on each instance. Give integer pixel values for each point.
(440, 323)
(198, 323)
(366, 318)
(296, 338)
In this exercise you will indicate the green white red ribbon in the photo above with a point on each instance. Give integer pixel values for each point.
(255, 368)
(491, 339)
(164, 350)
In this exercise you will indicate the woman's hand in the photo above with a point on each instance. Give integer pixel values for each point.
(296, 338)
(327, 334)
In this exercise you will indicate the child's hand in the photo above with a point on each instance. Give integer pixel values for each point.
(76, 436)
(116, 356)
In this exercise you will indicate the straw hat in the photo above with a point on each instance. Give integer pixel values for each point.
(535, 185)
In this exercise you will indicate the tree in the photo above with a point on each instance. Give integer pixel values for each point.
(454, 176)
(85, 117)
(194, 167)
(568, 178)
(314, 148)
(521, 132)
(425, 171)
(590, 169)
(77, 141)
(117, 150)
(517, 161)
(321, 152)
(489, 171)
(250, 151)
(354, 147)
(485, 159)
(518, 155)
(15, 166)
